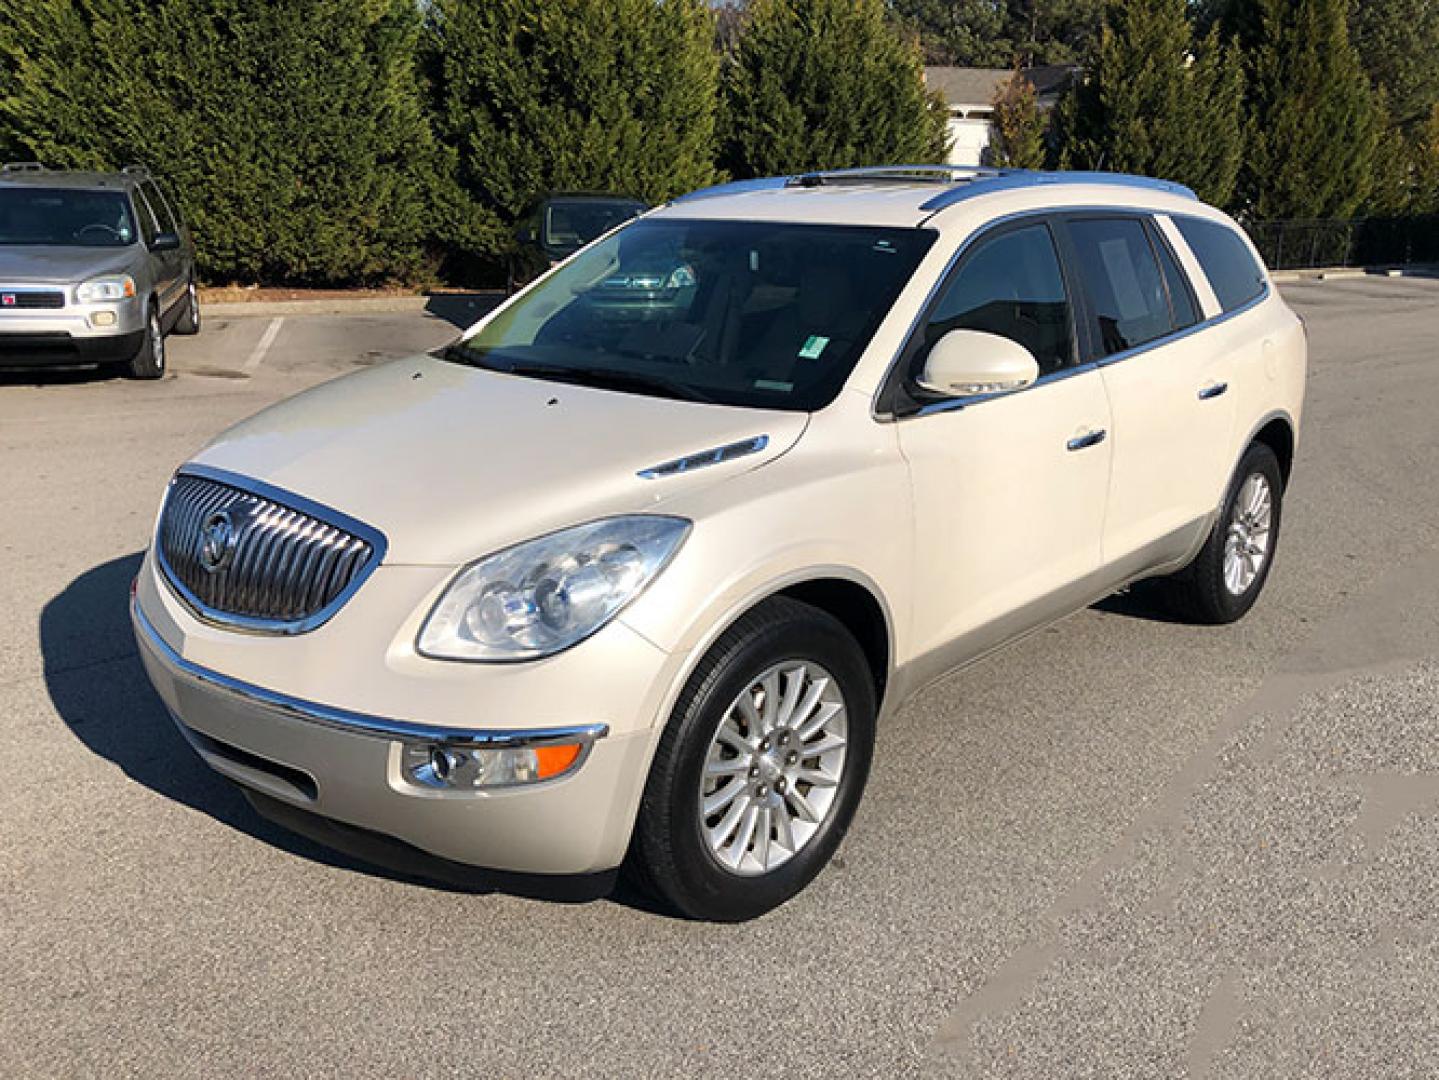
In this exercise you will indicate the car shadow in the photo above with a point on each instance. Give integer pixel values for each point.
(58, 376)
(99, 688)
(1142, 600)
(462, 310)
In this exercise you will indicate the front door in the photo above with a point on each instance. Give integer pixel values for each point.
(1009, 492)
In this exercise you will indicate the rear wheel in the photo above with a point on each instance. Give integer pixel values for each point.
(149, 362)
(1225, 579)
(189, 321)
(761, 767)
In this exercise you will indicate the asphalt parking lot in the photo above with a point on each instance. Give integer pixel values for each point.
(1123, 847)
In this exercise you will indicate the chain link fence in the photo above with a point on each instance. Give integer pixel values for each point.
(1306, 245)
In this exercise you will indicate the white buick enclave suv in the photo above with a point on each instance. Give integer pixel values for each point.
(632, 571)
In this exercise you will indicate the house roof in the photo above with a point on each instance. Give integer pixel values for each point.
(965, 86)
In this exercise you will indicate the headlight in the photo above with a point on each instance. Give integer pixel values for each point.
(97, 290)
(540, 597)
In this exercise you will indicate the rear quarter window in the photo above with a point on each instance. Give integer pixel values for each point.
(1233, 272)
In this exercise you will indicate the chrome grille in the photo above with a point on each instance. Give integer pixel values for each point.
(258, 558)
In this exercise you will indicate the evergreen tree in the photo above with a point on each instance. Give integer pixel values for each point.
(826, 84)
(1398, 44)
(1002, 33)
(1314, 125)
(293, 134)
(1154, 103)
(593, 95)
(1019, 126)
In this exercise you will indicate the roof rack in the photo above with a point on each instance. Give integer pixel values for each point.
(960, 182)
(898, 174)
(21, 166)
(1014, 179)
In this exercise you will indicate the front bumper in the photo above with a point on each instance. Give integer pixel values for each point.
(71, 335)
(346, 766)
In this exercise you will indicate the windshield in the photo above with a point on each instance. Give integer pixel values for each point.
(571, 224)
(64, 217)
(740, 313)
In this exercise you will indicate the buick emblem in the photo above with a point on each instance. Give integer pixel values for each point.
(218, 537)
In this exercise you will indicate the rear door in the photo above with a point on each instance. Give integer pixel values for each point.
(1167, 387)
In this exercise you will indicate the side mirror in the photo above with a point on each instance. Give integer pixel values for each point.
(968, 363)
(165, 241)
(525, 235)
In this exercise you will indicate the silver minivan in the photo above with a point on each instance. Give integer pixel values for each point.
(95, 268)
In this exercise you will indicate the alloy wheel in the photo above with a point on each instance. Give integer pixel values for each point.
(1246, 544)
(773, 768)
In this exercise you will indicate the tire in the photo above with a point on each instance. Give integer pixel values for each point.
(1214, 589)
(673, 854)
(149, 362)
(189, 321)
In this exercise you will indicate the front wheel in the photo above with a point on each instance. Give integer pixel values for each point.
(149, 362)
(1227, 576)
(760, 768)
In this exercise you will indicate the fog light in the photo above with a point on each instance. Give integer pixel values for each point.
(446, 766)
(103, 318)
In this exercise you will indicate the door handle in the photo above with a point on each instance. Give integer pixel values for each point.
(1212, 391)
(1084, 442)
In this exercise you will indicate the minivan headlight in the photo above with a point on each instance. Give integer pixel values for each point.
(540, 597)
(100, 289)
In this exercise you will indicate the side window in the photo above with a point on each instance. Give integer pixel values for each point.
(1231, 268)
(1123, 281)
(149, 225)
(161, 211)
(1181, 297)
(1011, 285)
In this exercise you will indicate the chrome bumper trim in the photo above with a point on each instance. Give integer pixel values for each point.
(353, 722)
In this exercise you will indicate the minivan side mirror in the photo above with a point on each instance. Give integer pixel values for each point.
(165, 241)
(968, 363)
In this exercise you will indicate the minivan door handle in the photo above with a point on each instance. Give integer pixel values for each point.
(1085, 441)
(1212, 391)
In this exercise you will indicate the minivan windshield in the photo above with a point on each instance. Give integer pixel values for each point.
(759, 314)
(65, 217)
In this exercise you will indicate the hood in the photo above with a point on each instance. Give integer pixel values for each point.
(43, 265)
(452, 462)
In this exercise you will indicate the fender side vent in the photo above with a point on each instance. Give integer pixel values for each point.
(704, 458)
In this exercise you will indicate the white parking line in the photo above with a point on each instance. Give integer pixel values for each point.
(262, 346)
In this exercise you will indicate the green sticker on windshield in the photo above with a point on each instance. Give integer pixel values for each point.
(813, 346)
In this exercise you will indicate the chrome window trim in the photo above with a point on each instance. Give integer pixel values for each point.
(357, 723)
(249, 623)
(1080, 369)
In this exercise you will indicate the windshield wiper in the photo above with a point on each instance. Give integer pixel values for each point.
(608, 379)
(602, 378)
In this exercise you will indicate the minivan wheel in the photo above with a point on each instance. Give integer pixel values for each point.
(760, 769)
(149, 362)
(189, 321)
(1226, 578)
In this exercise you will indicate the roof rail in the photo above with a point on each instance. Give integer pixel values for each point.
(1015, 179)
(138, 171)
(735, 187)
(21, 166)
(900, 174)
(960, 182)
